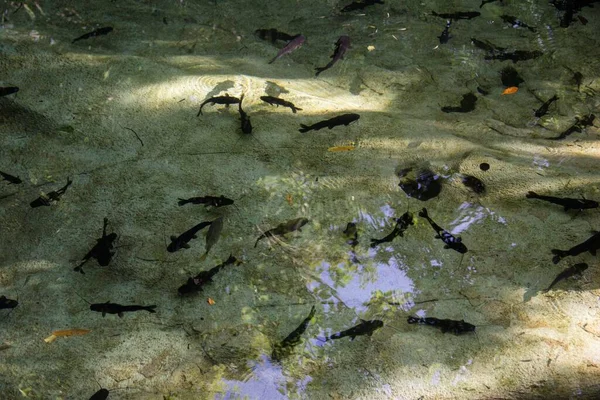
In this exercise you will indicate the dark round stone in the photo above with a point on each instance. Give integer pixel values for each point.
(484, 166)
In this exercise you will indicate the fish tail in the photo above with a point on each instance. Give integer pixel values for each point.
(423, 213)
(558, 255)
(257, 240)
(322, 338)
(531, 195)
(203, 256)
(304, 128)
(79, 268)
(182, 202)
(273, 60)
(319, 70)
(413, 320)
(150, 309)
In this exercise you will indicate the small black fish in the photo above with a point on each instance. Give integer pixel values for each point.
(5, 91)
(402, 225)
(195, 284)
(484, 2)
(458, 15)
(454, 243)
(102, 250)
(101, 394)
(540, 112)
(486, 45)
(364, 328)
(567, 17)
(283, 228)
(426, 184)
(225, 99)
(467, 104)
(573, 270)
(279, 102)
(292, 45)
(578, 126)
(592, 245)
(207, 201)
(52, 197)
(566, 202)
(10, 179)
(515, 56)
(445, 35)
(114, 308)
(273, 35)
(181, 241)
(341, 46)
(344, 119)
(473, 183)
(212, 236)
(360, 5)
(516, 23)
(446, 325)
(6, 303)
(98, 32)
(351, 233)
(285, 347)
(244, 118)
(510, 77)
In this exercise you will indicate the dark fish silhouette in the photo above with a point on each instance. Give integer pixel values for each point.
(592, 245)
(515, 56)
(292, 45)
(244, 118)
(6, 303)
(445, 35)
(101, 394)
(540, 112)
(467, 104)
(10, 179)
(516, 23)
(484, 2)
(341, 46)
(360, 5)
(225, 99)
(344, 119)
(573, 270)
(283, 228)
(196, 283)
(285, 347)
(402, 225)
(446, 325)
(5, 91)
(102, 250)
(207, 201)
(566, 202)
(578, 126)
(510, 77)
(279, 102)
(113, 308)
(273, 35)
(364, 328)
(486, 45)
(98, 32)
(213, 235)
(351, 233)
(52, 197)
(426, 185)
(473, 183)
(457, 15)
(181, 241)
(454, 243)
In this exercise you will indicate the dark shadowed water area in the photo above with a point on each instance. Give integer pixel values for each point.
(104, 137)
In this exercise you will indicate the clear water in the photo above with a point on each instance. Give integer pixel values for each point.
(80, 107)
